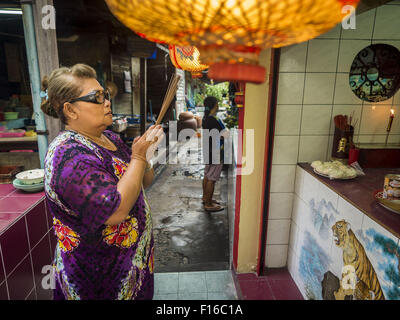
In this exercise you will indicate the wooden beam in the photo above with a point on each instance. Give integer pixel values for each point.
(46, 41)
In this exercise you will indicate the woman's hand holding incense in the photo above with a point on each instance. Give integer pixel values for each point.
(130, 185)
(143, 147)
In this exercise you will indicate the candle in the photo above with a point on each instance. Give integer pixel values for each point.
(390, 120)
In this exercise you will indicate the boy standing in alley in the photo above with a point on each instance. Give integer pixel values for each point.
(213, 152)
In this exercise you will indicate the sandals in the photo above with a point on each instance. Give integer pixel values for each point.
(213, 201)
(214, 208)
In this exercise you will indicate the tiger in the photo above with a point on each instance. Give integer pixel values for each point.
(354, 255)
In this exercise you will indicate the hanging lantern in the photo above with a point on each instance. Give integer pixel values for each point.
(239, 94)
(230, 33)
(186, 58)
(196, 75)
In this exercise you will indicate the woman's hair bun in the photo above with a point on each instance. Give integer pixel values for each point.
(48, 109)
(45, 83)
(46, 106)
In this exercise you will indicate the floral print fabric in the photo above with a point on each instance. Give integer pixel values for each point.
(93, 260)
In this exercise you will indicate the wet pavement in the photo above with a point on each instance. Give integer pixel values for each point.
(186, 237)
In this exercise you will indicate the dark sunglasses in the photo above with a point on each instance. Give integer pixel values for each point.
(98, 97)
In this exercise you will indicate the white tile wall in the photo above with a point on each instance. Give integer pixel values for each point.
(276, 255)
(387, 23)
(394, 138)
(300, 209)
(280, 206)
(372, 138)
(319, 88)
(313, 189)
(287, 121)
(350, 213)
(291, 260)
(316, 119)
(375, 119)
(290, 88)
(312, 148)
(360, 224)
(314, 87)
(278, 231)
(282, 178)
(299, 181)
(285, 150)
(396, 97)
(293, 58)
(348, 51)
(322, 55)
(293, 236)
(329, 149)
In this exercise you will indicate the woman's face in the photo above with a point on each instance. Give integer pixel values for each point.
(215, 109)
(91, 116)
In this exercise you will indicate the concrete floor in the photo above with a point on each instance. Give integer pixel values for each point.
(186, 237)
(208, 285)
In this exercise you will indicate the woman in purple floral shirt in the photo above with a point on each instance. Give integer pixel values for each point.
(94, 188)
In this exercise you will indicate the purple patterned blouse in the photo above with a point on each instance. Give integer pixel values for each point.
(93, 260)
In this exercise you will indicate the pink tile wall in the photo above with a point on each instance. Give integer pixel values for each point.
(26, 239)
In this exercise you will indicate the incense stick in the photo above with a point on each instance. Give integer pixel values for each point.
(171, 91)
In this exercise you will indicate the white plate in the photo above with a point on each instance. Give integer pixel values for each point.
(326, 176)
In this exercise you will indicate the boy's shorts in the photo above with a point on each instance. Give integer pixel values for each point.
(213, 171)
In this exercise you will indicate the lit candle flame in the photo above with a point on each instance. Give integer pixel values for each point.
(390, 120)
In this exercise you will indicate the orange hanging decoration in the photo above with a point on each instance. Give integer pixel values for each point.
(230, 32)
(186, 58)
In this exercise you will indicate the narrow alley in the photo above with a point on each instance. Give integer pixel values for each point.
(186, 237)
(191, 246)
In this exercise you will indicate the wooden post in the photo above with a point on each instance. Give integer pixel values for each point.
(46, 42)
(143, 95)
(135, 73)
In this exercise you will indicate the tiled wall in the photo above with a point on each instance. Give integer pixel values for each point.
(312, 250)
(25, 247)
(314, 87)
